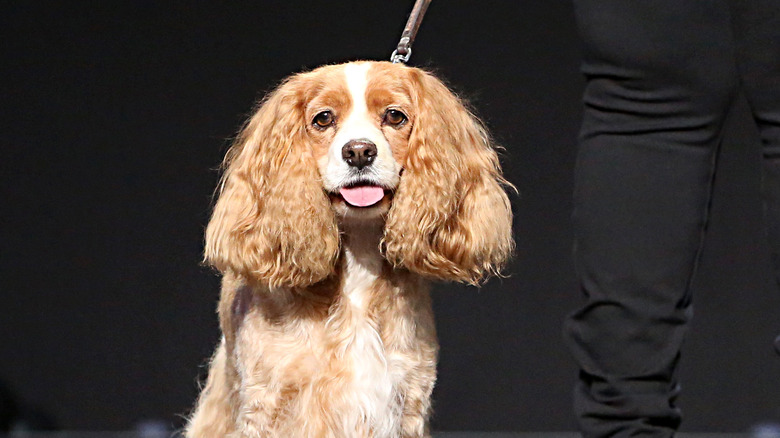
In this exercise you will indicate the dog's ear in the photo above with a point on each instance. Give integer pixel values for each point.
(451, 218)
(273, 222)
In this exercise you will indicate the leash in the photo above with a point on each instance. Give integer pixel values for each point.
(403, 51)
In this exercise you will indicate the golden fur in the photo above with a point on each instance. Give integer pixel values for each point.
(325, 312)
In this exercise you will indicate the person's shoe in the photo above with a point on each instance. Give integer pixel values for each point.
(777, 344)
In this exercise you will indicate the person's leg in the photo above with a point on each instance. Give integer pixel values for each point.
(660, 79)
(757, 31)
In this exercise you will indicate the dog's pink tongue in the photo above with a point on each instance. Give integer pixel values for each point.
(362, 196)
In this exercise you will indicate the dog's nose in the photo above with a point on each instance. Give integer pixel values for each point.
(359, 153)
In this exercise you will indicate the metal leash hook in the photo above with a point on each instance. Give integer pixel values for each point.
(403, 51)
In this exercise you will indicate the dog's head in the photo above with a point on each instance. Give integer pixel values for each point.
(362, 141)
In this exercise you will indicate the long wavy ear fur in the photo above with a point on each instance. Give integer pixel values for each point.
(451, 218)
(272, 222)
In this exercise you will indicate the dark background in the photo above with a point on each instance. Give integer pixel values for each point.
(116, 114)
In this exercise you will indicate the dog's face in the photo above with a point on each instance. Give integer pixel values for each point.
(360, 121)
(356, 142)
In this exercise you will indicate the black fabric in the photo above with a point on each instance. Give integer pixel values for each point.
(661, 78)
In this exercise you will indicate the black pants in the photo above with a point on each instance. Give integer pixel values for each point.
(661, 76)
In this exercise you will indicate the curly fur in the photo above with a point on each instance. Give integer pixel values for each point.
(325, 311)
(272, 222)
(461, 230)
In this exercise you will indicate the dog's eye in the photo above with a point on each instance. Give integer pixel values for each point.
(323, 119)
(394, 117)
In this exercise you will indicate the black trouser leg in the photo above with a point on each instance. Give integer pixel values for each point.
(660, 79)
(757, 30)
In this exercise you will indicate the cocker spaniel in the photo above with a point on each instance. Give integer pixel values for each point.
(349, 189)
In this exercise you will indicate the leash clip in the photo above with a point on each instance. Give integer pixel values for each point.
(403, 51)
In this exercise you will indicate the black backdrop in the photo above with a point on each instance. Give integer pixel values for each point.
(115, 115)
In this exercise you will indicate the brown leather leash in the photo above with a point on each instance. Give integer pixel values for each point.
(404, 49)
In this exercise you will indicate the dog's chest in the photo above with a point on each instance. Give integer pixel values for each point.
(370, 386)
(337, 365)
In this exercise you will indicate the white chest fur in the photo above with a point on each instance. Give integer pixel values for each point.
(372, 388)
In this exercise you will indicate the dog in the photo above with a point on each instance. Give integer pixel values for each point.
(350, 188)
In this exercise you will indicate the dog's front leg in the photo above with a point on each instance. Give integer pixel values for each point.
(412, 354)
(256, 419)
(416, 361)
(417, 400)
(215, 412)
